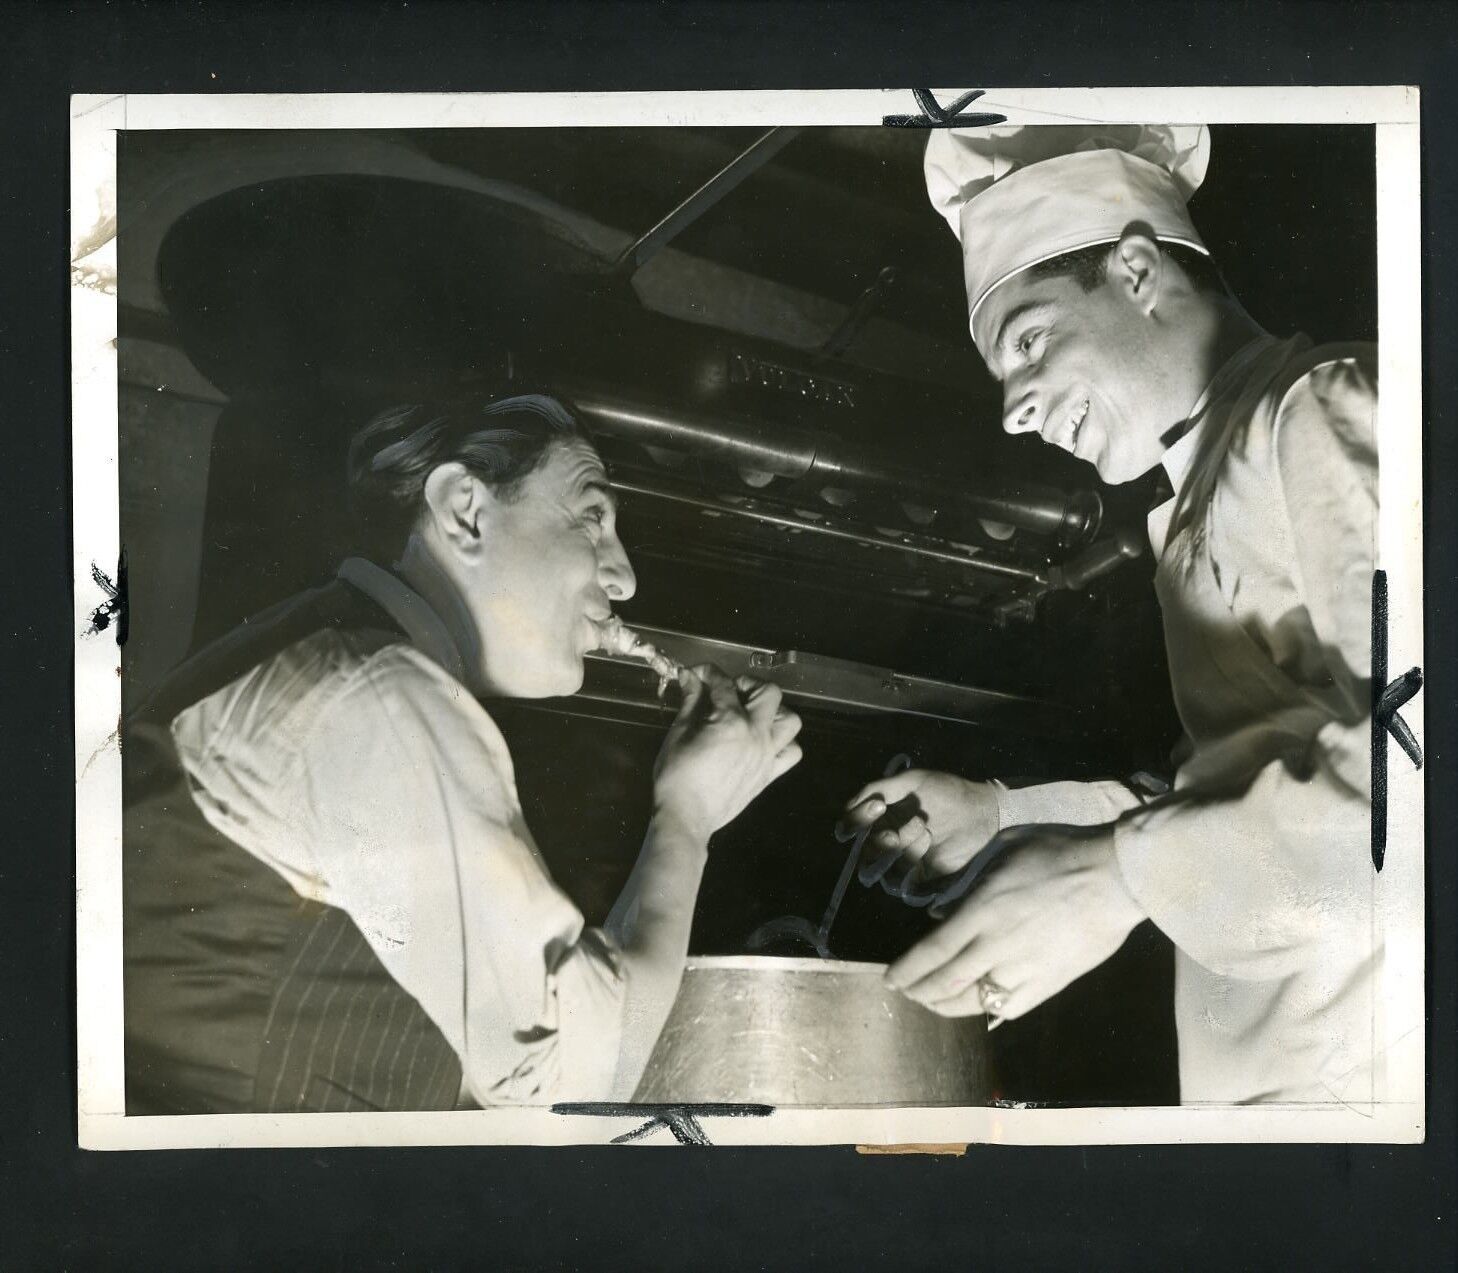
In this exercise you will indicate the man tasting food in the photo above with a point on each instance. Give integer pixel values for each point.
(332, 899)
(1094, 302)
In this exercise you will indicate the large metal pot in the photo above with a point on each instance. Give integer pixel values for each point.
(810, 1032)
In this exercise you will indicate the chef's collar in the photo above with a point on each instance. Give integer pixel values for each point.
(1178, 458)
(425, 628)
(1180, 454)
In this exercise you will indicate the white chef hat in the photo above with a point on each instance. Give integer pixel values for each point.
(1017, 195)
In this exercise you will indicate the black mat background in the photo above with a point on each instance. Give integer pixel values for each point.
(1155, 1208)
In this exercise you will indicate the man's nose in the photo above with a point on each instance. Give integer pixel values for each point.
(615, 571)
(1021, 410)
(1021, 403)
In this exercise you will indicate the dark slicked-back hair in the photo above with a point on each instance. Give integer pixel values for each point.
(1088, 267)
(501, 442)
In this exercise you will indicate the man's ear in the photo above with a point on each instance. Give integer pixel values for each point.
(1136, 268)
(455, 505)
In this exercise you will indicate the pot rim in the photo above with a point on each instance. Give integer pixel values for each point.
(779, 964)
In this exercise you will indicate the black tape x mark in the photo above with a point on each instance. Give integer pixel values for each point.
(680, 1120)
(1387, 697)
(935, 115)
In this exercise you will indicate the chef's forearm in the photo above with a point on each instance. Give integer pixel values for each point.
(650, 926)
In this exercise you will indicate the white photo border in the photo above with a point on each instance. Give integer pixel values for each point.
(1398, 892)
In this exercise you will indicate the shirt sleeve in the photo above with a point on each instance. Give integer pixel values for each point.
(417, 832)
(1260, 860)
(1078, 804)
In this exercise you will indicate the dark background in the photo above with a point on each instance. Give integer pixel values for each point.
(310, 300)
(1219, 1206)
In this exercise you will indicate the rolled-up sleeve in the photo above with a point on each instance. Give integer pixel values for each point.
(1260, 861)
(416, 829)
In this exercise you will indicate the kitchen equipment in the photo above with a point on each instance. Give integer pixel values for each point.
(812, 484)
(810, 1032)
(796, 927)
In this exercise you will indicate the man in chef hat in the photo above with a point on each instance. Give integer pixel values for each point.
(1094, 303)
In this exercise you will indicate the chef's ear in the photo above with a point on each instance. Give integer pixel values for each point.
(455, 505)
(1136, 267)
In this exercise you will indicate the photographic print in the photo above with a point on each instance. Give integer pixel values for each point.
(838, 617)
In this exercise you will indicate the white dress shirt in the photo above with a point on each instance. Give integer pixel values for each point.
(370, 778)
(1257, 866)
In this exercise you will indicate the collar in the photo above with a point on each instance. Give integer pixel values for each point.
(1181, 453)
(424, 627)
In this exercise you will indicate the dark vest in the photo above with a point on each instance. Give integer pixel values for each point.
(242, 996)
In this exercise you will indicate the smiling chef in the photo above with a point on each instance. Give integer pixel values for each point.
(1094, 303)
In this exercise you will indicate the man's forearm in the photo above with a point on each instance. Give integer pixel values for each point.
(650, 925)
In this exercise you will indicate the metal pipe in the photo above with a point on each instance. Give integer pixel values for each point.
(1104, 556)
(795, 453)
(1097, 560)
(917, 545)
(785, 452)
(705, 197)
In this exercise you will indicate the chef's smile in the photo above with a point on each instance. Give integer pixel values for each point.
(1074, 426)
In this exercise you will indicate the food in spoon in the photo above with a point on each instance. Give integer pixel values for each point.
(618, 638)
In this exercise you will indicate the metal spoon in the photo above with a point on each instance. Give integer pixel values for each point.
(800, 929)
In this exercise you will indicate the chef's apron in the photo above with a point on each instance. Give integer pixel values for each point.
(1240, 712)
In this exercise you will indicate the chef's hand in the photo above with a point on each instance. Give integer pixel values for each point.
(934, 823)
(1055, 908)
(729, 741)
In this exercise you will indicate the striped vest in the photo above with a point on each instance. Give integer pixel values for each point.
(241, 996)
